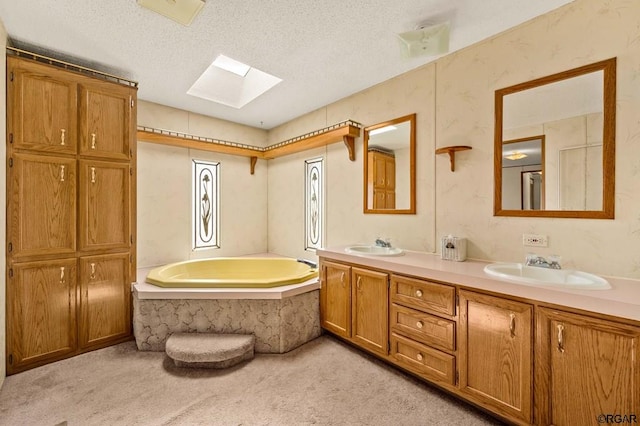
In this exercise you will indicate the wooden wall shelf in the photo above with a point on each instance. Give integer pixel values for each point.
(345, 131)
(451, 150)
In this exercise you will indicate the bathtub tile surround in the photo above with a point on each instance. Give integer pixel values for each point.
(279, 325)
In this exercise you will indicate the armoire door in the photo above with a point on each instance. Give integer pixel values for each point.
(104, 205)
(105, 120)
(42, 102)
(41, 312)
(41, 206)
(105, 293)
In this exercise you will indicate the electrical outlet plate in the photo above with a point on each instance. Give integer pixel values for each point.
(534, 240)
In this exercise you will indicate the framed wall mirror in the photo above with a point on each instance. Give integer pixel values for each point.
(554, 148)
(390, 166)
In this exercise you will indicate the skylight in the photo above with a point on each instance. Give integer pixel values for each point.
(232, 83)
(231, 65)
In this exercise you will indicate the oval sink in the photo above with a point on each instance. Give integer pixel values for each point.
(532, 275)
(365, 250)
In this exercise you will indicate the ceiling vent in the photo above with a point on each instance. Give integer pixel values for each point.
(181, 11)
(426, 40)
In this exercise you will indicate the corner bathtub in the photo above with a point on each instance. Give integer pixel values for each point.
(276, 299)
(238, 272)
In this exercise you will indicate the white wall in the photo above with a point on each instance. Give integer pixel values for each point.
(3, 201)
(454, 102)
(345, 221)
(582, 32)
(164, 190)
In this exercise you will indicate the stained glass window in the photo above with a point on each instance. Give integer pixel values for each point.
(314, 203)
(206, 218)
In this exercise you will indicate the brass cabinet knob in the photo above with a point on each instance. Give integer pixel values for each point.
(419, 324)
(418, 293)
(419, 357)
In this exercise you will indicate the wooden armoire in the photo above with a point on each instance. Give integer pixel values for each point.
(71, 156)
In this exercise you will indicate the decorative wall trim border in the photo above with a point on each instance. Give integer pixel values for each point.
(346, 131)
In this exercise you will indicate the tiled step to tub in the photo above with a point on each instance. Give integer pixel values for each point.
(206, 350)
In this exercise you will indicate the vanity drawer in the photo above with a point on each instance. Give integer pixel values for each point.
(423, 295)
(425, 328)
(426, 361)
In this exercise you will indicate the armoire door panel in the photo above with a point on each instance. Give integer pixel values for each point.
(43, 108)
(104, 298)
(105, 117)
(104, 205)
(41, 313)
(42, 205)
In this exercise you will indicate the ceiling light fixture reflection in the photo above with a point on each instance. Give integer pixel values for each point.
(516, 155)
(384, 129)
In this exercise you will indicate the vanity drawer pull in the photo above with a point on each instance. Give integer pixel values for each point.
(419, 324)
(419, 357)
(418, 293)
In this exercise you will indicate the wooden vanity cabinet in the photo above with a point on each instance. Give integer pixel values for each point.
(585, 367)
(483, 347)
(354, 305)
(495, 354)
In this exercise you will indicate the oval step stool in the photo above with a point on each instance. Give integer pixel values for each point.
(205, 350)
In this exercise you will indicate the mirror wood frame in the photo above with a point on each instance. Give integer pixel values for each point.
(608, 143)
(411, 118)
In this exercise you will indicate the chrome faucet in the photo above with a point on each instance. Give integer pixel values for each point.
(534, 260)
(383, 243)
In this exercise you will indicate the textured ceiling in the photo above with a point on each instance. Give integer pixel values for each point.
(323, 50)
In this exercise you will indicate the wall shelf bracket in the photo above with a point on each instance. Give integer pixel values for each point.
(451, 150)
(350, 142)
(253, 160)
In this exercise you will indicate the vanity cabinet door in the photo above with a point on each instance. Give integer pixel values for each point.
(335, 298)
(370, 309)
(495, 354)
(585, 368)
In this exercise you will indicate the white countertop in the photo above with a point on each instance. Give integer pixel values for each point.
(622, 300)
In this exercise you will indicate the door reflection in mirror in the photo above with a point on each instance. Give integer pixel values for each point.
(523, 173)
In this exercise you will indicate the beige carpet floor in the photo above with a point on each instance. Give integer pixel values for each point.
(324, 382)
